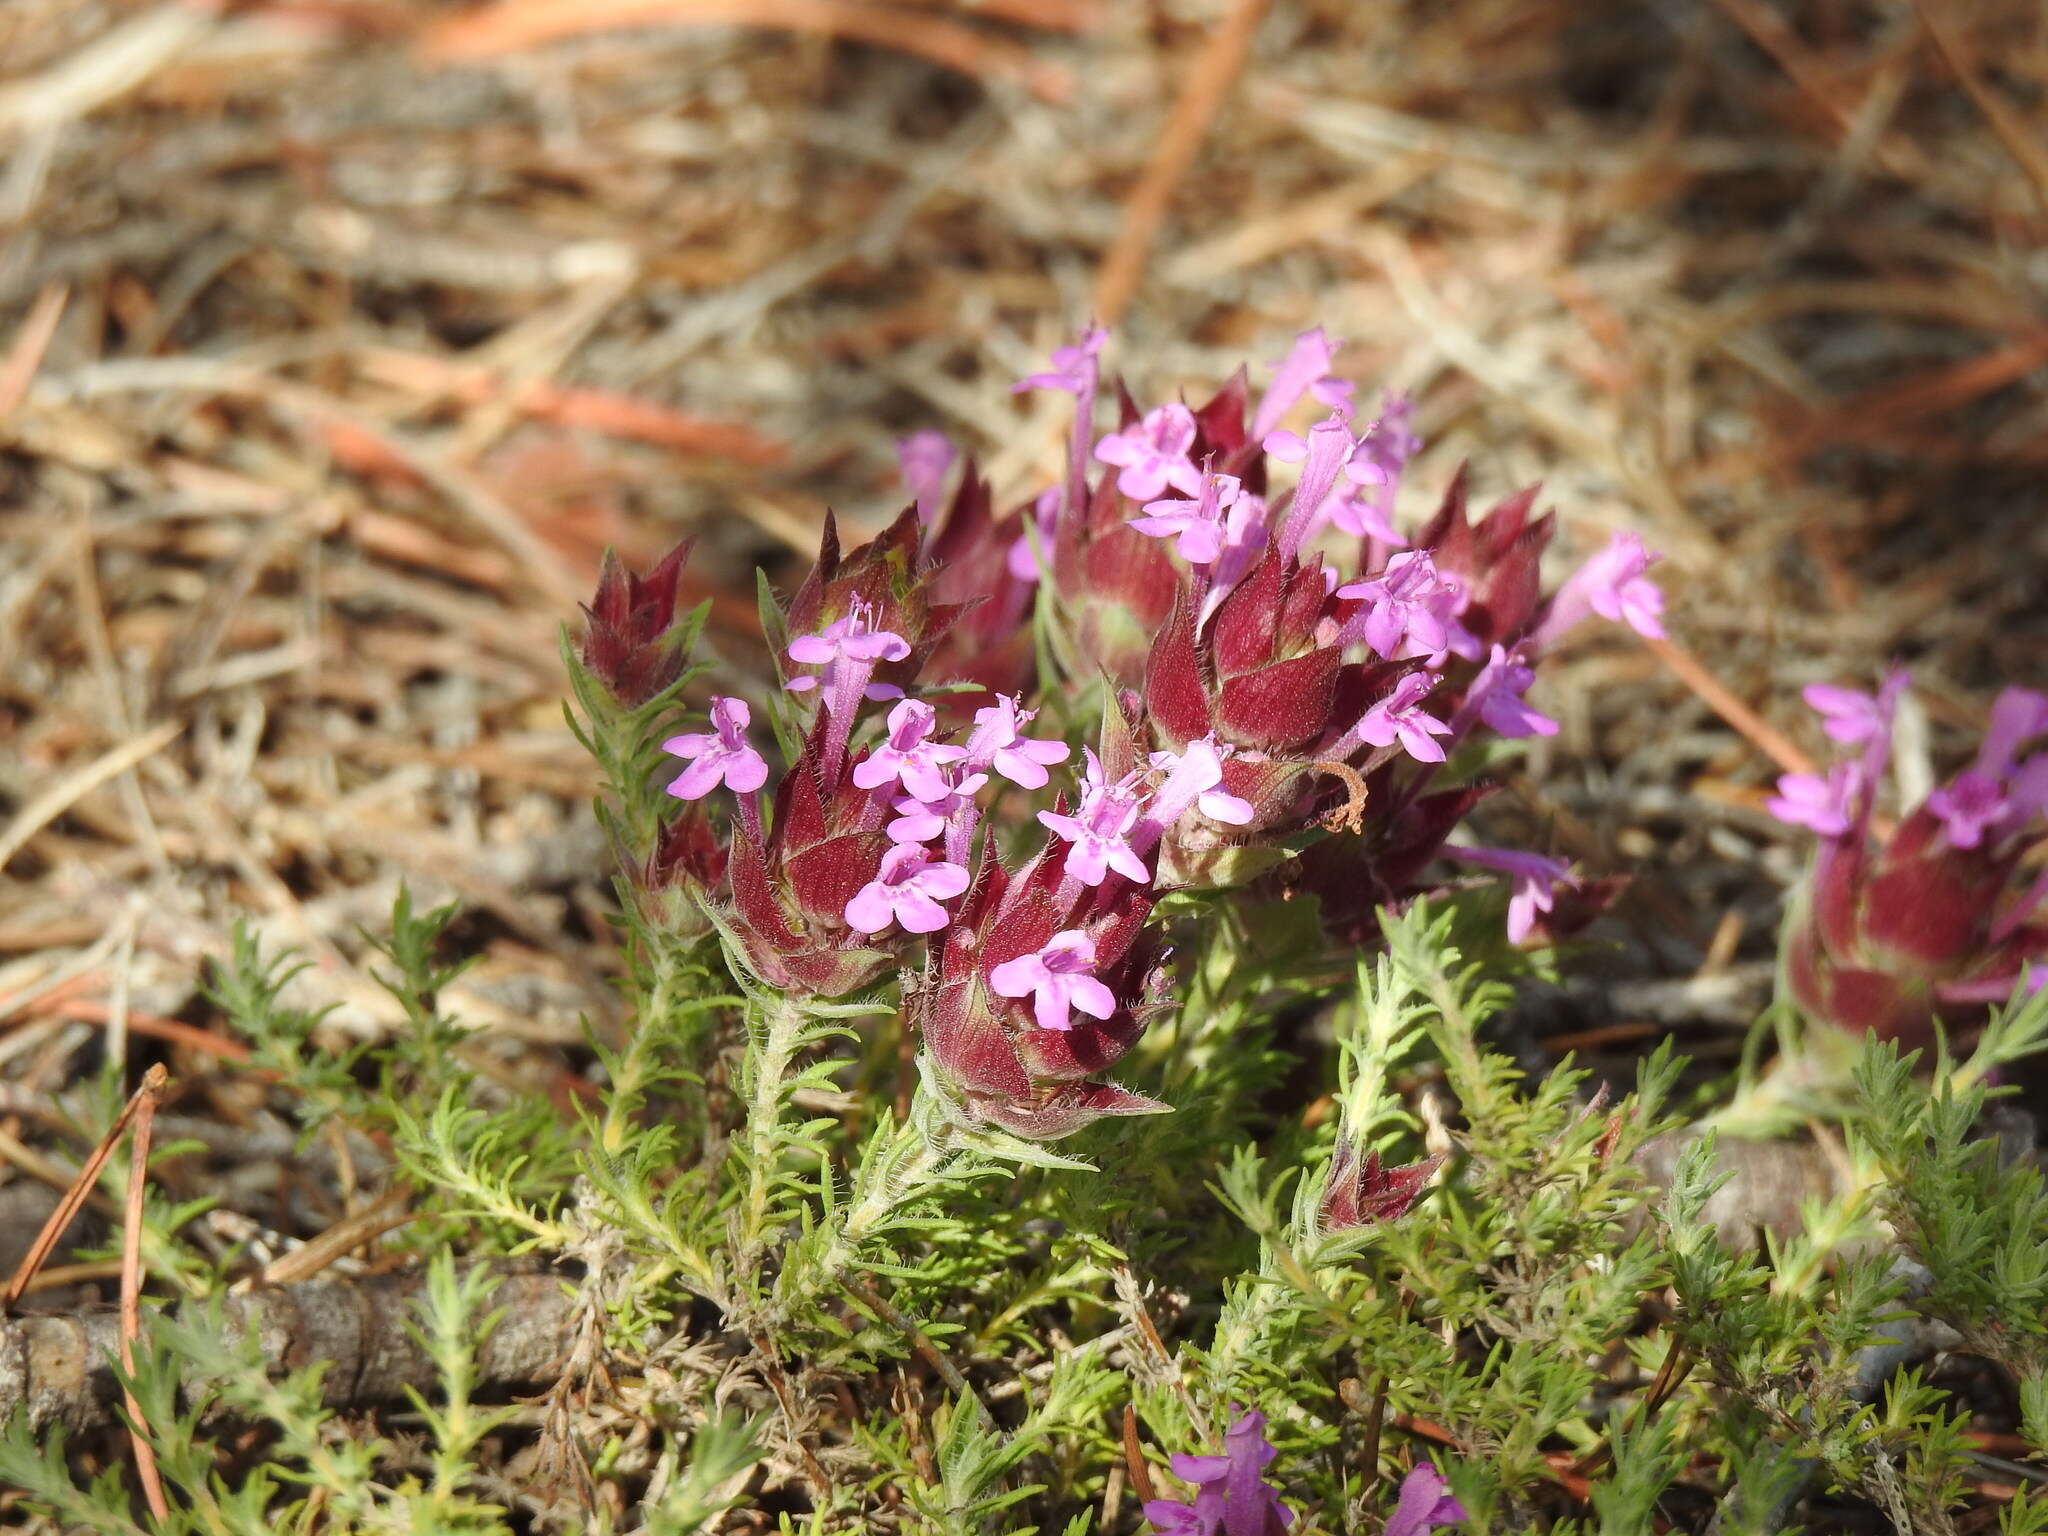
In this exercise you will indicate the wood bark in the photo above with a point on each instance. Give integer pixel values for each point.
(59, 1367)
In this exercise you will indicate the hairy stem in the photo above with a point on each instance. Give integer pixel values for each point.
(768, 1061)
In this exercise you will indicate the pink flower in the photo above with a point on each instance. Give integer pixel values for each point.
(907, 891)
(1611, 584)
(1400, 717)
(1100, 828)
(1496, 697)
(2027, 790)
(995, 743)
(1199, 523)
(1363, 517)
(1536, 879)
(849, 638)
(1073, 368)
(1968, 806)
(1376, 465)
(1321, 457)
(1195, 775)
(1425, 1503)
(1848, 715)
(1824, 805)
(1154, 454)
(719, 756)
(2018, 715)
(1232, 1495)
(1058, 978)
(1408, 607)
(905, 755)
(1304, 370)
(1245, 532)
(919, 820)
(924, 458)
(1022, 561)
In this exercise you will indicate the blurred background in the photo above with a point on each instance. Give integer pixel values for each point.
(338, 338)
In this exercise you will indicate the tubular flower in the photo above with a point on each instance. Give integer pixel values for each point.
(721, 756)
(1154, 454)
(1400, 718)
(1409, 608)
(1536, 879)
(906, 754)
(1938, 918)
(1200, 528)
(906, 890)
(1232, 1495)
(924, 458)
(919, 820)
(1375, 466)
(1100, 828)
(1059, 977)
(1495, 697)
(997, 743)
(1611, 584)
(1304, 371)
(1424, 1504)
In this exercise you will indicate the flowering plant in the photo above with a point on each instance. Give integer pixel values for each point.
(1260, 699)
(1937, 916)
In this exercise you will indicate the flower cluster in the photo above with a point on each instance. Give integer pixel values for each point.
(1941, 916)
(1259, 697)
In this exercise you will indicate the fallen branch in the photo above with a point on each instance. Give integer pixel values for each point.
(59, 1369)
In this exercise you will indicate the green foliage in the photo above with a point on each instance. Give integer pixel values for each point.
(801, 1285)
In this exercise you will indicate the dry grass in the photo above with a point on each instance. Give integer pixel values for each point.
(338, 337)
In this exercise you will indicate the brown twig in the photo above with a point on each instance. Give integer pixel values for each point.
(1134, 1456)
(2011, 132)
(46, 1240)
(314, 1255)
(1678, 1363)
(30, 343)
(512, 25)
(92, 1011)
(1747, 723)
(1208, 82)
(863, 1291)
(131, 1290)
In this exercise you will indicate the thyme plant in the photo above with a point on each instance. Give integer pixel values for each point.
(1062, 1089)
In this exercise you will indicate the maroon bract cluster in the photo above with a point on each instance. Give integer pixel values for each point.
(1041, 985)
(1357, 1194)
(1939, 918)
(630, 638)
(1263, 695)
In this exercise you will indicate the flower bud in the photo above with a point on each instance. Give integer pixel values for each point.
(632, 636)
(1496, 561)
(973, 554)
(889, 585)
(1356, 1194)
